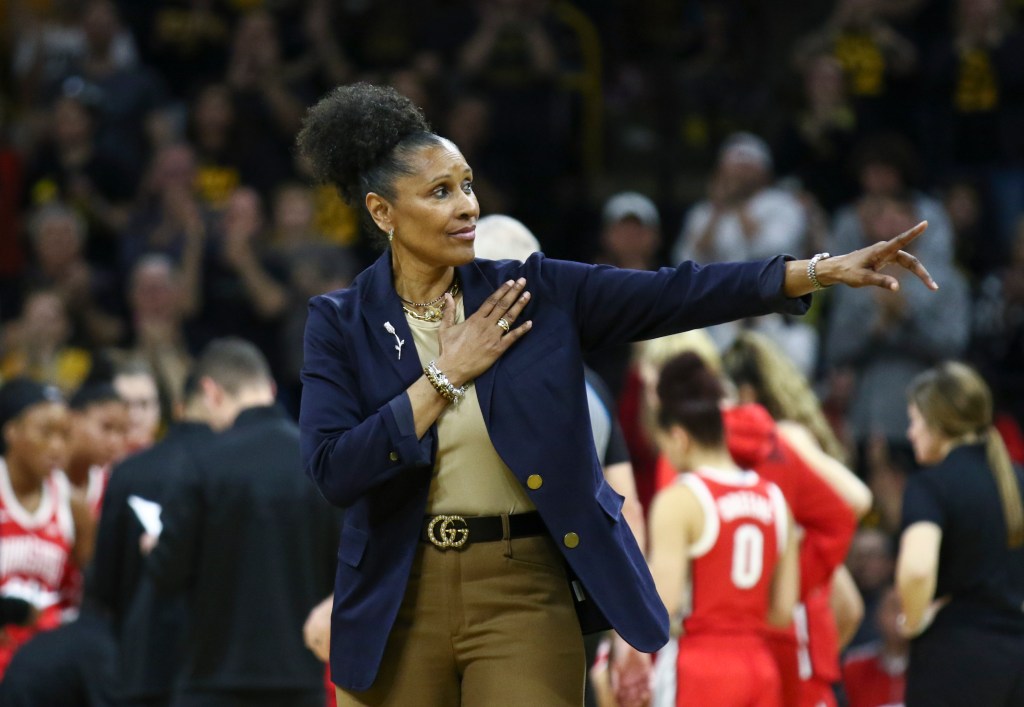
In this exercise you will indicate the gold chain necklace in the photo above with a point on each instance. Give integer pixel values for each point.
(434, 308)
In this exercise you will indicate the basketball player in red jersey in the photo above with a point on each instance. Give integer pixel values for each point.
(41, 529)
(827, 522)
(727, 534)
(825, 498)
(808, 454)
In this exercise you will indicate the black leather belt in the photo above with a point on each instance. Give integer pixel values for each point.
(451, 531)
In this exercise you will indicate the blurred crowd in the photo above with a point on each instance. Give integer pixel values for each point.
(151, 198)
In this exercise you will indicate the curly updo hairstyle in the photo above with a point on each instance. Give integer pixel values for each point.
(359, 138)
(689, 394)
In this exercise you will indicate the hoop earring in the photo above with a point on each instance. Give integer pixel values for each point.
(391, 234)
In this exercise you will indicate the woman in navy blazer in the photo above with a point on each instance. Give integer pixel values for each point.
(371, 408)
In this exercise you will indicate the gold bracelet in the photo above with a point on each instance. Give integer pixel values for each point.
(442, 385)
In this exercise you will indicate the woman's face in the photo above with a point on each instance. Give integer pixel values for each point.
(434, 211)
(142, 399)
(98, 432)
(930, 446)
(38, 438)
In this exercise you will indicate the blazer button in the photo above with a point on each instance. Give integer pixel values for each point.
(534, 481)
(393, 456)
(571, 540)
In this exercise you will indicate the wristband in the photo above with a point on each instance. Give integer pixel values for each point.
(442, 385)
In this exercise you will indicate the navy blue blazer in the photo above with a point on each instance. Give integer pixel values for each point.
(360, 449)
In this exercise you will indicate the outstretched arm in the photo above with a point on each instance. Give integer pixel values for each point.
(860, 268)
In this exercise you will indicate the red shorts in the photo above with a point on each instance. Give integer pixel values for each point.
(783, 648)
(725, 670)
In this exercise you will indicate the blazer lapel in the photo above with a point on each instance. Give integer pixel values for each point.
(386, 322)
(475, 289)
(381, 306)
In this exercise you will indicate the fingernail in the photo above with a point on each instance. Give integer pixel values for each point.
(508, 284)
(521, 281)
(526, 295)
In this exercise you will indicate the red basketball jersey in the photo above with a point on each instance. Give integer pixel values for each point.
(745, 524)
(35, 556)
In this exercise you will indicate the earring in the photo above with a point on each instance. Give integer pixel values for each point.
(391, 234)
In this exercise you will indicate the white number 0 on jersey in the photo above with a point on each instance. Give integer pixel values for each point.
(747, 556)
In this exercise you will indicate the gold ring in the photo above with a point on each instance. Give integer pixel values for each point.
(503, 323)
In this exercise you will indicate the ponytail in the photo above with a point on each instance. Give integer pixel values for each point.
(1008, 485)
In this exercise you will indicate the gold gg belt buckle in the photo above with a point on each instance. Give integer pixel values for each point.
(448, 531)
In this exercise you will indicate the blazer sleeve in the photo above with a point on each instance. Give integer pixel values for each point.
(612, 305)
(345, 451)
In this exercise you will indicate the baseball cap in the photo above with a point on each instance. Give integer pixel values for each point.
(631, 204)
(746, 147)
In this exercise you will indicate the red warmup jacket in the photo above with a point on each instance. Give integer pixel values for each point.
(828, 526)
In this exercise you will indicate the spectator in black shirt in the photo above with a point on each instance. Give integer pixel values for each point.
(960, 572)
(128, 97)
(69, 165)
(242, 292)
(265, 97)
(213, 129)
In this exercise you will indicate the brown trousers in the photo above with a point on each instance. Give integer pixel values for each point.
(490, 624)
